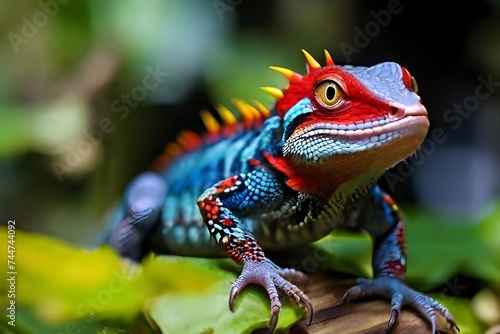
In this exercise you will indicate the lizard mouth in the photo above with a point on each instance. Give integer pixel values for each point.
(322, 140)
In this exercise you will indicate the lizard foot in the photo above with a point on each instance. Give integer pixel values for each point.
(400, 295)
(267, 275)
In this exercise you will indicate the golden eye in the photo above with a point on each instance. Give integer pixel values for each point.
(327, 93)
(414, 86)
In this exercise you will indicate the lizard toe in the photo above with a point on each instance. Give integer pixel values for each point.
(295, 276)
(396, 302)
(297, 295)
(428, 307)
(400, 295)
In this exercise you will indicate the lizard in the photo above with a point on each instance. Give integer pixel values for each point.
(278, 178)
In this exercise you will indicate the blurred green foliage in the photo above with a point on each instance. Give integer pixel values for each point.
(59, 284)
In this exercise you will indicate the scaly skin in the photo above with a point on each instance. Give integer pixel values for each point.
(311, 167)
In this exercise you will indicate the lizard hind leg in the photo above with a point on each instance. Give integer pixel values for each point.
(138, 215)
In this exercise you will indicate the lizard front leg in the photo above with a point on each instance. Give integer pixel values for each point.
(221, 206)
(389, 266)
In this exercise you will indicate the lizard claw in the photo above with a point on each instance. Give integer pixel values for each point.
(400, 295)
(267, 275)
(232, 296)
(395, 314)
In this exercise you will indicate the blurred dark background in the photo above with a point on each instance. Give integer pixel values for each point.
(92, 91)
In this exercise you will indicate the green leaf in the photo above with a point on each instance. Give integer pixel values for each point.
(27, 322)
(438, 250)
(111, 330)
(347, 252)
(462, 312)
(208, 312)
(15, 131)
(201, 292)
(60, 283)
(340, 251)
(489, 231)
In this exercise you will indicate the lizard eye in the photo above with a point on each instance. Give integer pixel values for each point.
(327, 93)
(409, 80)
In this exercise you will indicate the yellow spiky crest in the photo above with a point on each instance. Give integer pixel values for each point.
(310, 61)
(263, 110)
(289, 74)
(226, 114)
(328, 58)
(275, 92)
(245, 108)
(209, 121)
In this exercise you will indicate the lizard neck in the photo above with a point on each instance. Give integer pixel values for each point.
(327, 181)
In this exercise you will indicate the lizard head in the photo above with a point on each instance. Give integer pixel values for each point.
(345, 125)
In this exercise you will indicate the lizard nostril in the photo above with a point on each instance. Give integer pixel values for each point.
(394, 111)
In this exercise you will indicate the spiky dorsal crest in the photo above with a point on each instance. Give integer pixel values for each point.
(249, 116)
